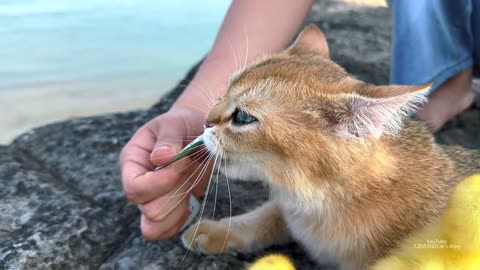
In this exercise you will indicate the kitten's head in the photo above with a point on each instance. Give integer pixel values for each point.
(296, 115)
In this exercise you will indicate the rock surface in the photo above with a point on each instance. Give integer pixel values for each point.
(61, 202)
(44, 224)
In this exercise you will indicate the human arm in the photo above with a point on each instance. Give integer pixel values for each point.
(269, 26)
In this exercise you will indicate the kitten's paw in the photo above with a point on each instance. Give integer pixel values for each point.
(213, 237)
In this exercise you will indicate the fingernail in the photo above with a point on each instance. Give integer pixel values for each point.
(162, 147)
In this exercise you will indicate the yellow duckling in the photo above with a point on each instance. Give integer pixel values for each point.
(272, 262)
(452, 243)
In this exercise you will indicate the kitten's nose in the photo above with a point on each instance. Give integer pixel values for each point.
(208, 124)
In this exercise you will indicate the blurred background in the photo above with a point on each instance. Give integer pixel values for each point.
(70, 58)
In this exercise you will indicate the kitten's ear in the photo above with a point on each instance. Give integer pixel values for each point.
(310, 40)
(382, 111)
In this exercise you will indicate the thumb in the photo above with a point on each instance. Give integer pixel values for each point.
(170, 134)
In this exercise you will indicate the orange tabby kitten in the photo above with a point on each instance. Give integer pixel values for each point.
(350, 176)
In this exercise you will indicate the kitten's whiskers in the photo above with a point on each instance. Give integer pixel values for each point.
(246, 51)
(186, 181)
(230, 203)
(201, 211)
(205, 154)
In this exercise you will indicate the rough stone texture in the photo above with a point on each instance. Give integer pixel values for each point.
(61, 202)
(67, 149)
(44, 225)
(358, 37)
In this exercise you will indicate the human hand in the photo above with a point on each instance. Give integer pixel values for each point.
(163, 195)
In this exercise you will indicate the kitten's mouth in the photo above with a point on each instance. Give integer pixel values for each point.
(209, 143)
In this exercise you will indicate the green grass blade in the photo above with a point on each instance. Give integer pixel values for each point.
(186, 151)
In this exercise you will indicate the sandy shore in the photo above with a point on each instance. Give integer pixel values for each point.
(25, 109)
(375, 3)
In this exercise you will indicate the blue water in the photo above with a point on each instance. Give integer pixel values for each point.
(139, 42)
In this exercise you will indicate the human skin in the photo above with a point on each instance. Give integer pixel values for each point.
(250, 29)
(451, 98)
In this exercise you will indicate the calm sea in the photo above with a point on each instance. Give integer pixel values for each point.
(109, 43)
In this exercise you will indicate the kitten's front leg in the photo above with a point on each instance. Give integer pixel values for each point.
(252, 231)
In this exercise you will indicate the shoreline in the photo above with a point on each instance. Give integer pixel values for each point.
(25, 109)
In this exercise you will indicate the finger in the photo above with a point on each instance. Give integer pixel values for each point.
(151, 185)
(134, 160)
(140, 145)
(161, 208)
(154, 184)
(138, 150)
(175, 229)
(154, 231)
(171, 135)
(201, 186)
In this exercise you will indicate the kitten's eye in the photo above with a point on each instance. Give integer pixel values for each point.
(242, 118)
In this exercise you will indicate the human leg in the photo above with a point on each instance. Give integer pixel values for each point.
(432, 41)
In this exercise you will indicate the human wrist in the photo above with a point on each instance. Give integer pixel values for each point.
(214, 74)
(197, 99)
(209, 83)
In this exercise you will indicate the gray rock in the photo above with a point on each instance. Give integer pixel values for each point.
(83, 154)
(358, 37)
(46, 226)
(461, 132)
